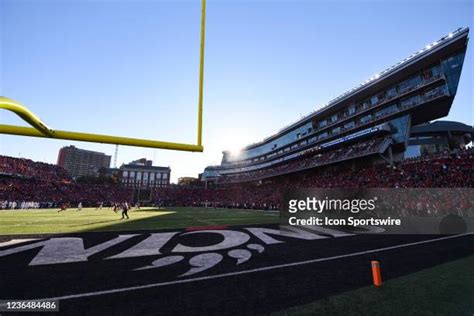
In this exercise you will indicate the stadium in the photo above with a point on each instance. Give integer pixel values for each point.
(220, 245)
(372, 121)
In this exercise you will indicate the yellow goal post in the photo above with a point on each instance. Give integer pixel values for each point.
(40, 129)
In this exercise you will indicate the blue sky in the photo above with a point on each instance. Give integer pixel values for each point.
(131, 67)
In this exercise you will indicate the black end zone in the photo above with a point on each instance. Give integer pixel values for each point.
(238, 270)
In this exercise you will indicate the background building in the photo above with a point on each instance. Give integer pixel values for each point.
(80, 162)
(188, 181)
(439, 136)
(142, 173)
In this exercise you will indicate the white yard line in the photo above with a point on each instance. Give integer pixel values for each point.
(223, 275)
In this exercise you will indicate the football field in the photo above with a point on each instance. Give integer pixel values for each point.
(50, 221)
(209, 261)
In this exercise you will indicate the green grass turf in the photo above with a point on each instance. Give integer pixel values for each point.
(49, 221)
(447, 289)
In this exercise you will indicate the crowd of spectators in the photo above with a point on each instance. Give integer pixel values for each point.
(26, 168)
(25, 184)
(446, 170)
(52, 193)
(311, 159)
(50, 187)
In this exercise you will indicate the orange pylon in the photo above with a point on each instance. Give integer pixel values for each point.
(376, 274)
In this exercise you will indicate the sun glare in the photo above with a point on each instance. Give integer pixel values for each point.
(234, 142)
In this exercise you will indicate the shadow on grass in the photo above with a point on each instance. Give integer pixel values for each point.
(151, 210)
(94, 223)
(161, 220)
(146, 219)
(169, 219)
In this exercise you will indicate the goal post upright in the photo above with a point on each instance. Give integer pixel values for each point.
(201, 71)
(40, 129)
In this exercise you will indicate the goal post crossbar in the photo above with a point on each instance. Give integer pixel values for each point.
(40, 129)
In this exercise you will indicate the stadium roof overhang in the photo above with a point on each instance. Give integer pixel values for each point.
(439, 127)
(451, 43)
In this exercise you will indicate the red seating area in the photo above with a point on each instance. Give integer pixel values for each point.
(23, 180)
(49, 186)
(310, 160)
(26, 168)
(437, 171)
(52, 193)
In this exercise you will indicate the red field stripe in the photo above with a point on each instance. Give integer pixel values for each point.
(193, 228)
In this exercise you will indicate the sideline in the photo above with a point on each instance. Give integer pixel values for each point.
(223, 275)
